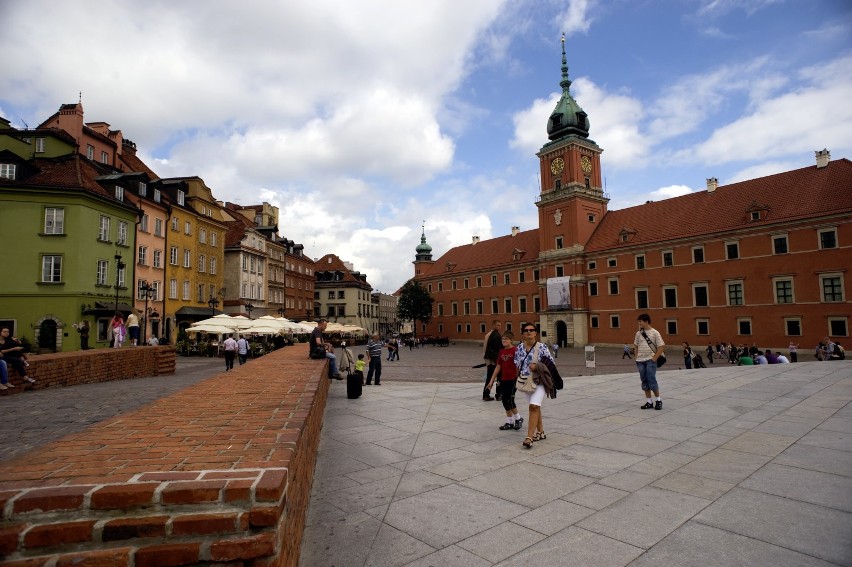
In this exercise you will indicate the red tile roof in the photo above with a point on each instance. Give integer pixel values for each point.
(332, 263)
(487, 254)
(70, 171)
(809, 192)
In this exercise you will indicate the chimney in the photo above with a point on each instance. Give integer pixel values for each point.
(475, 240)
(712, 184)
(822, 158)
(515, 230)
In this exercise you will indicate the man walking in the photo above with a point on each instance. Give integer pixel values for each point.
(649, 346)
(230, 346)
(374, 352)
(242, 349)
(491, 346)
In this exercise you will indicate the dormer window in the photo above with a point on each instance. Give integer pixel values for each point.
(556, 120)
(119, 193)
(755, 215)
(180, 198)
(7, 170)
(156, 195)
(143, 189)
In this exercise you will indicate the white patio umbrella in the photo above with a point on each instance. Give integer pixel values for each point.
(210, 328)
(262, 330)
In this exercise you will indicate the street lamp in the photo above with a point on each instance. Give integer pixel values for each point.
(119, 265)
(281, 311)
(213, 303)
(148, 292)
(249, 307)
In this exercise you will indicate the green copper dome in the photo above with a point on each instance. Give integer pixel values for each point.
(567, 118)
(424, 251)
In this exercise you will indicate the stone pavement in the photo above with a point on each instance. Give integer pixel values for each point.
(743, 466)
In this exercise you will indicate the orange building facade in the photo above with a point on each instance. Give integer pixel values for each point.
(762, 262)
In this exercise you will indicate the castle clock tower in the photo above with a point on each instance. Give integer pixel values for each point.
(572, 202)
(570, 207)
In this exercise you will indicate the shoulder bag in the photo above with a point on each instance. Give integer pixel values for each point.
(660, 359)
(525, 382)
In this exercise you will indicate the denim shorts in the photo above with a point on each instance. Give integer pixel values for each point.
(648, 374)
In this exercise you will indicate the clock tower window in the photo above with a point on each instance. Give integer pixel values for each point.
(588, 183)
(557, 184)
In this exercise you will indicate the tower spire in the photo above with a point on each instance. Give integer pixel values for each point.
(565, 83)
(567, 119)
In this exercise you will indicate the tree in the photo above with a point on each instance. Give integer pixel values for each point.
(415, 303)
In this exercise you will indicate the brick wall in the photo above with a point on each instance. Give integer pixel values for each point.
(219, 473)
(96, 365)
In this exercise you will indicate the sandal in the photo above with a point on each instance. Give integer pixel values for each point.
(528, 441)
(539, 436)
(507, 426)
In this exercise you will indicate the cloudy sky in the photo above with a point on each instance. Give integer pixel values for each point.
(362, 119)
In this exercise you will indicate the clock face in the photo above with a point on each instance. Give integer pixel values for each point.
(557, 165)
(586, 164)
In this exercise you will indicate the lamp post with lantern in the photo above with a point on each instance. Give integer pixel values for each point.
(148, 292)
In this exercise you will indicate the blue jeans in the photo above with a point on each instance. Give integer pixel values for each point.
(332, 370)
(4, 372)
(648, 374)
(375, 366)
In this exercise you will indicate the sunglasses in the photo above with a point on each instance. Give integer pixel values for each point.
(529, 330)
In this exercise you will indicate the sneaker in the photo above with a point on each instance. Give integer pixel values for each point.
(9, 385)
(658, 405)
(518, 424)
(648, 405)
(506, 427)
(3, 386)
(28, 379)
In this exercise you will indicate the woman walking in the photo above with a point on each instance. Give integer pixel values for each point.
(527, 356)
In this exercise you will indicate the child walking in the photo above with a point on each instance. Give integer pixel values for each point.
(507, 372)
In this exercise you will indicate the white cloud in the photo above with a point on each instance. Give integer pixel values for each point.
(576, 17)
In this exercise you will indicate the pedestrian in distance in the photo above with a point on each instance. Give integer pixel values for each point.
(506, 372)
(133, 328)
(649, 347)
(83, 330)
(119, 331)
(230, 349)
(492, 343)
(242, 349)
(626, 351)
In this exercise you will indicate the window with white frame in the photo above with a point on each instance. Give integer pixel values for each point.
(157, 285)
(143, 224)
(594, 322)
(202, 263)
(119, 193)
(832, 287)
(186, 290)
(158, 258)
(142, 256)
(173, 255)
(828, 238)
(104, 157)
(780, 244)
(593, 287)
(54, 220)
(103, 229)
(671, 326)
(668, 258)
(122, 272)
(213, 239)
(212, 266)
(260, 265)
(103, 271)
(735, 293)
(181, 198)
(612, 262)
(697, 254)
(642, 298)
(838, 326)
(187, 259)
(156, 195)
(158, 227)
(783, 290)
(51, 269)
(793, 326)
(702, 326)
(7, 170)
(669, 297)
(39, 146)
(202, 235)
(732, 250)
(200, 293)
(187, 227)
(559, 242)
(175, 224)
(122, 233)
(90, 152)
(173, 288)
(613, 286)
(640, 261)
(700, 295)
(143, 189)
(614, 321)
(744, 326)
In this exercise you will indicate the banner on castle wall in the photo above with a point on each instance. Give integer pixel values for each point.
(558, 293)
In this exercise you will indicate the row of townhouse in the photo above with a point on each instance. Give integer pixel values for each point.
(89, 229)
(762, 261)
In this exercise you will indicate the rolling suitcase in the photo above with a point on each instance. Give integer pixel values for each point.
(353, 385)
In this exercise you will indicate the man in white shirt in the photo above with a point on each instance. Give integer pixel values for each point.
(230, 346)
(649, 346)
(242, 349)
